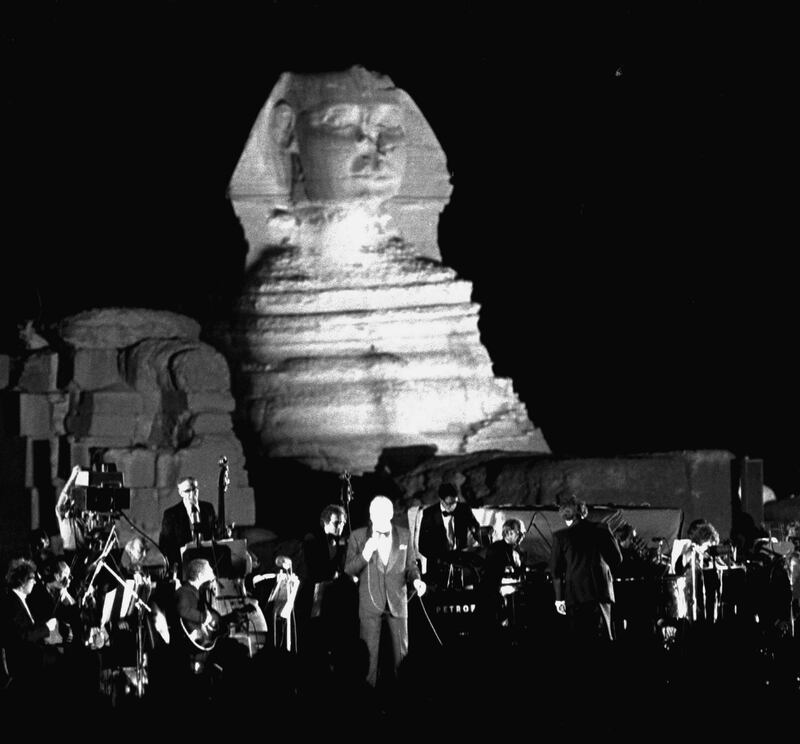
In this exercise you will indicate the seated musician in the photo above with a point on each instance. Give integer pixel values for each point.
(194, 613)
(53, 598)
(21, 635)
(689, 557)
(444, 529)
(700, 536)
(504, 561)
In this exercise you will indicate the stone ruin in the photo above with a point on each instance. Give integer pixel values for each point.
(132, 387)
(350, 336)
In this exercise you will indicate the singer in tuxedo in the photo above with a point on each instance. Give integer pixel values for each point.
(184, 522)
(383, 560)
(583, 559)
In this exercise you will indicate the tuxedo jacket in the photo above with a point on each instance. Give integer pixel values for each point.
(176, 529)
(582, 563)
(433, 535)
(382, 587)
(22, 638)
(323, 556)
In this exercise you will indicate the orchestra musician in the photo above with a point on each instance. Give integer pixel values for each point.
(23, 637)
(444, 528)
(195, 614)
(504, 561)
(52, 598)
(191, 520)
(691, 557)
(326, 600)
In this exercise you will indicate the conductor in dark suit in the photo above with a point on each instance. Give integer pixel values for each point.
(185, 522)
(445, 528)
(582, 562)
(383, 560)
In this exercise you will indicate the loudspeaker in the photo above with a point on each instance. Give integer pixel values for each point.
(751, 485)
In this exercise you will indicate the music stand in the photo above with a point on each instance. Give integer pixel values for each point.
(138, 604)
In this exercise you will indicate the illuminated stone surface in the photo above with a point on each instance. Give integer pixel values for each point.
(140, 390)
(350, 334)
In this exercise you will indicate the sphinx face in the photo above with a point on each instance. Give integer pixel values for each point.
(352, 151)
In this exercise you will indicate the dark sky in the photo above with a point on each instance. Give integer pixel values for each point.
(622, 179)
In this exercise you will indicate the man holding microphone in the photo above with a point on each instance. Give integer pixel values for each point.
(381, 557)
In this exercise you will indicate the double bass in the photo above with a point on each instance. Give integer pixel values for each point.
(236, 614)
(224, 530)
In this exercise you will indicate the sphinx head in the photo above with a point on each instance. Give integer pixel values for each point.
(343, 135)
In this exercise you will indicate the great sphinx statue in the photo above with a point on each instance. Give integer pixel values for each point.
(350, 335)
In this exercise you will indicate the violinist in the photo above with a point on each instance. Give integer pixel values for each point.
(52, 598)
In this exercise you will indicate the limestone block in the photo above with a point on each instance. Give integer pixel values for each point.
(200, 369)
(113, 402)
(138, 466)
(145, 512)
(167, 469)
(211, 423)
(116, 328)
(59, 410)
(117, 428)
(105, 414)
(34, 416)
(55, 450)
(240, 506)
(167, 497)
(5, 371)
(39, 372)
(201, 460)
(29, 459)
(94, 369)
(204, 402)
(79, 454)
(35, 508)
(147, 430)
(102, 442)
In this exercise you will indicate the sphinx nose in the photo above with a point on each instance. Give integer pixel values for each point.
(371, 135)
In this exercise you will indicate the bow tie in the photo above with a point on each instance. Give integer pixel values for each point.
(381, 534)
(447, 514)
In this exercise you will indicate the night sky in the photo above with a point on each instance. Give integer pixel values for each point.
(622, 182)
